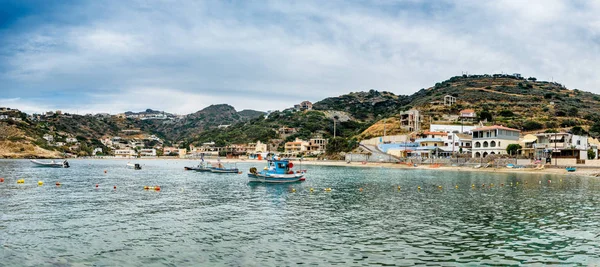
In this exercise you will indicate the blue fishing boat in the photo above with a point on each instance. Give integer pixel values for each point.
(571, 169)
(277, 171)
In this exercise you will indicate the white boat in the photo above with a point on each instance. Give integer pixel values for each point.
(51, 164)
(135, 166)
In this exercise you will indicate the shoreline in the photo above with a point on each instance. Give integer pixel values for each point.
(587, 171)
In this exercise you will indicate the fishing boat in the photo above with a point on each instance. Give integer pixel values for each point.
(222, 169)
(277, 171)
(135, 166)
(51, 164)
(571, 169)
(202, 167)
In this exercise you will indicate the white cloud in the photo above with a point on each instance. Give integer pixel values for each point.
(181, 57)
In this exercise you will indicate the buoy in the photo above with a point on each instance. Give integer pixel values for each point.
(473, 185)
(311, 189)
(418, 188)
(57, 184)
(157, 188)
(398, 187)
(483, 185)
(549, 181)
(1, 180)
(510, 183)
(96, 185)
(456, 186)
(439, 187)
(115, 187)
(525, 182)
(517, 183)
(360, 189)
(539, 182)
(104, 171)
(293, 190)
(21, 181)
(40, 183)
(491, 185)
(560, 180)
(146, 187)
(328, 189)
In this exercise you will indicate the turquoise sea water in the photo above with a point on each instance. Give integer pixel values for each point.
(203, 219)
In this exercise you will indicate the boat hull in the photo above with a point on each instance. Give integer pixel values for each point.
(49, 164)
(261, 178)
(218, 170)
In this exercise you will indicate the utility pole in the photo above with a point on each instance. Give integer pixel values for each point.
(556, 159)
(333, 128)
(384, 123)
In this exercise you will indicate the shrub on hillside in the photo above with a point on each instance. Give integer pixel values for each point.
(532, 125)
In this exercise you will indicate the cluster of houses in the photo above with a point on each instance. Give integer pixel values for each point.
(9, 114)
(478, 141)
(133, 147)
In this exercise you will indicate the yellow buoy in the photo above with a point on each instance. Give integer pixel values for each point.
(456, 186)
(312, 189)
(293, 190)
(40, 183)
(418, 188)
(472, 185)
(491, 184)
(398, 187)
(328, 189)
(439, 187)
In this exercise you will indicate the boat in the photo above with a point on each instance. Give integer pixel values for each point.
(222, 169)
(510, 166)
(202, 167)
(571, 169)
(51, 164)
(277, 171)
(135, 166)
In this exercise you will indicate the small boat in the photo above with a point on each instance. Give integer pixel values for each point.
(510, 166)
(571, 169)
(135, 166)
(51, 164)
(202, 167)
(277, 171)
(222, 169)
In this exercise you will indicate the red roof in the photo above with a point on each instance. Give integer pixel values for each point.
(495, 127)
(467, 111)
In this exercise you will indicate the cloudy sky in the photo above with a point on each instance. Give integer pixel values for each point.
(181, 56)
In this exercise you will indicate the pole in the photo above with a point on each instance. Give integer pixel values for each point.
(384, 123)
(556, 159)
(334, 128)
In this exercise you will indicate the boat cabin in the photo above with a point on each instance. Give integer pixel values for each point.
(280, 166)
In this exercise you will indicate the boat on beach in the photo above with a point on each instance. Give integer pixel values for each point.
(51, 164)
(277, 171)
(571, 169)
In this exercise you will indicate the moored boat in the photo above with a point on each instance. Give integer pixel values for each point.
(222, 169)
(51, 164)
(277, 171)
(571, 169)
(135, 166)
(202, 167)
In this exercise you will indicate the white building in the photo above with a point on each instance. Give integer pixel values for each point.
(452, 128)
(410, 120)
(492, 140)
(124, 153)
(97, 150)
(457, 142)
(71, 140)
(561, 145)
(48, 137)
(148, 152)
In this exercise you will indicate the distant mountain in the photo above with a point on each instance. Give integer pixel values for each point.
(193, 124)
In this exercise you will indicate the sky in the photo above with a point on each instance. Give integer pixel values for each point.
(181, 56)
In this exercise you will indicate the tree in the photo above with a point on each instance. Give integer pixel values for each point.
(507, 113)
(512, 149)
(532, 125)
(485, 115)
(533, 79)
(573, 112)
(578, 130)
(591, 154)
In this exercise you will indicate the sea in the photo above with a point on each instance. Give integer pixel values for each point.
(101, 215)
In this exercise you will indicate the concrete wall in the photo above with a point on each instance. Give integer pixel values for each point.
(389, 138)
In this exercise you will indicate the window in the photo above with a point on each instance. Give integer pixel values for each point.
(485, 144)
(477, 144)
(449, 137)
(578, 142)
(493, 144)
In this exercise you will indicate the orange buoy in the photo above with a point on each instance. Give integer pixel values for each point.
(104, 171)
(96, 185)
(1, 180)
(57, 184)
(115, 187)
(157, 188)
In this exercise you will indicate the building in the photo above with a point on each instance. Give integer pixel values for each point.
(125, 153)
(492, 140)
(284, 132)
(449, 100)
(48, 137)
(258, 147)
(467, 115)
(3, 117)
(410, 120)
(528, 143)
(97, 151)
(296, 147)
(458, 143)
(304, 105)
(430, 147)
(147, 152)
(467, 129)
(169, 150)
(317, 146)
(561, 145)
(71, 140)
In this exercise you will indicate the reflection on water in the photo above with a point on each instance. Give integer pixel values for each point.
(209, 219)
